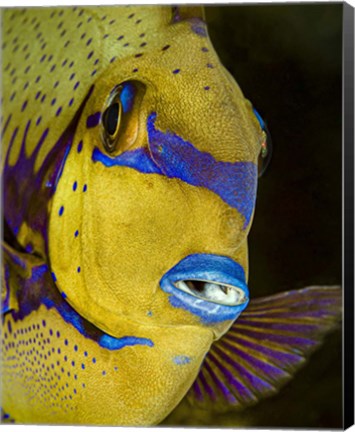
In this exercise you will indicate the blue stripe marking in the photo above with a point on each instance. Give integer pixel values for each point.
(107, 341)
(72, 317)
(138, 159)
(169, 155)
(214, 268)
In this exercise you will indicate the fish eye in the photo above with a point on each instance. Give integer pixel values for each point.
(266, 146)
(111, 118)
(213, 291)
(119, 119)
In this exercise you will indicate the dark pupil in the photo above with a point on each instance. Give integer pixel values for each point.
(111, 118)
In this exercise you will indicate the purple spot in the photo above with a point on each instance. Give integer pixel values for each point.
(43, 98)
(131, 16)
(143, 44)
(89, 42)
(61, 211)
(105, 36)
(165, 48)
(71, 76)
(82, 366)
(94, 360)
(176, 71)
(90, 54)
(66, 44)
(120, 37)
(93, 72)
(93, 120)
(24, 105)
(80, 146)
(204, 49)
(53, 101)
(43, 58)
(78, 269)
(113, 59)
(76, 233)
(126, 44)
(138, 55)
(38, 120)
(103, 372)
(209, 65)
(135, 70)
(85, 188)
(207, 87)
(38, 78)
(75, 185)
(85, 353)
(59, 110)
(52, 68)
(71, 101)
(13, 96)
(111, 22)
(76, 85)
(199, 28)
(64, 62)
(56, 84)
(96, 61)
(71, 64)
(82, 36)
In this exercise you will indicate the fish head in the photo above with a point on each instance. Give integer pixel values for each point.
(151, 213)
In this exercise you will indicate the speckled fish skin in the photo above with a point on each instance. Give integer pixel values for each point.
(94, 329)
(60, 66)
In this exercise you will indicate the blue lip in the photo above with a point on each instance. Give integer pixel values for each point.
(207, 267)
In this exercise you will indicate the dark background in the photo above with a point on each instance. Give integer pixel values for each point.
(288, 61)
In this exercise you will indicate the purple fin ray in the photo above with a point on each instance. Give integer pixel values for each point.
(270, 340)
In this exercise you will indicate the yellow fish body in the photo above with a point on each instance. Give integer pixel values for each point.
(130, 164)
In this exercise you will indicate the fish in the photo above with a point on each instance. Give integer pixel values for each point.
(130, 162)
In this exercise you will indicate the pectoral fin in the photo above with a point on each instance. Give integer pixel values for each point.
(266, 345)
(16, 267)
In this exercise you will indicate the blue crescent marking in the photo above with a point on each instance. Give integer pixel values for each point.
(171, 156)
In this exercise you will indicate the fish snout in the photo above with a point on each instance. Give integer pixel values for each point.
(211, 287)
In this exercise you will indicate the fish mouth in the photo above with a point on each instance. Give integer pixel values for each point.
(209, 286)
(212, 291)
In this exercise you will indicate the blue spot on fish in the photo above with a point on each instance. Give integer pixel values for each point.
(181, 360)
(93, 120)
